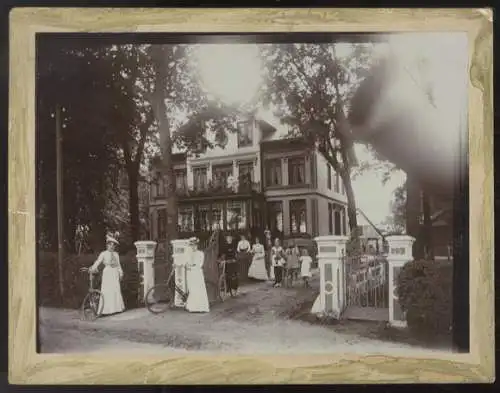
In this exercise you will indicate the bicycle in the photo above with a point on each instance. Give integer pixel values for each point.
(93, 302)
(160, 297)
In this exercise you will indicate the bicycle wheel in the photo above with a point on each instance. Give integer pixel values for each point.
(92, 306)
(222, 288)
(159, 298)
(212, 292)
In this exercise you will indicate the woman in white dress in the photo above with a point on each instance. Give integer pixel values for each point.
(258, 267)
(197, 300)
(111, 301)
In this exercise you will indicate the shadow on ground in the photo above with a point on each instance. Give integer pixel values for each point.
(369, 329)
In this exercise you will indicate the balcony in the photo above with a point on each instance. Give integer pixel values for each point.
(220, 188)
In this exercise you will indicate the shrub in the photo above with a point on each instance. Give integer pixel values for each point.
(425, 294)
(76, 283)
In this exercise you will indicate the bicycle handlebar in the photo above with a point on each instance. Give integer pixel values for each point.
(86, 269)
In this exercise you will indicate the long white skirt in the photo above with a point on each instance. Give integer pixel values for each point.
(257, 269)
(111, 301)
(197, 300)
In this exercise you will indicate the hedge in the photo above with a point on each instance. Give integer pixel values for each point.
(425, 294)
(76, 283)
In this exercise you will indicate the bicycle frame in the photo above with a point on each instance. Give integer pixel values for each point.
(171, 277)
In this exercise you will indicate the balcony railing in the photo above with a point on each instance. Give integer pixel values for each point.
(220, 188)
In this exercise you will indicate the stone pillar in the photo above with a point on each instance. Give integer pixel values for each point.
(331, 250)
(145, 260)
(400, 253)
(180, 252)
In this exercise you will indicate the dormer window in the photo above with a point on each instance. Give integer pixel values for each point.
(245, 135)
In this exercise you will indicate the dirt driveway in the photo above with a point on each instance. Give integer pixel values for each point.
(257, 320)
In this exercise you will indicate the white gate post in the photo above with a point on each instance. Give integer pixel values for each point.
(145, 261)
(400, 253)
(331, 250)
(180, 252)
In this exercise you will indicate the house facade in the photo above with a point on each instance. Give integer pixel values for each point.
(258, 180)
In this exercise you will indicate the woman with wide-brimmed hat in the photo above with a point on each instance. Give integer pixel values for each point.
(111, 301)
(197, 300)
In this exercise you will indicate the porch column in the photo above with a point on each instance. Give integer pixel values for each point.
(180, 252)
(400, 253)
(284, 171)
(189, 175)
(330, 300)
(286, 217)
(236, 170)
(145, 260)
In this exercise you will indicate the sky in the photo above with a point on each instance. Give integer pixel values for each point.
(232, 72)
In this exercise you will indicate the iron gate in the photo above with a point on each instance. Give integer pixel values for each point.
(366, 279)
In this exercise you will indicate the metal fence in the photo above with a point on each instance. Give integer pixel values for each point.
(366, 281)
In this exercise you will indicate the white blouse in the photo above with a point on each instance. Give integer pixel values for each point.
(109, 259)
(258, 250)
(243, 245)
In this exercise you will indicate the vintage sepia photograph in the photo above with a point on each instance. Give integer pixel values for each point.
(251, 194)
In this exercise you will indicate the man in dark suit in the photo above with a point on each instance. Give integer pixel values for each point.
(228, 253)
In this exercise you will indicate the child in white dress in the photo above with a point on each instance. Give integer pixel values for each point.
(111, 300)
(305, 267)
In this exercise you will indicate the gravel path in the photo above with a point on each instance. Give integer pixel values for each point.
(256, 321)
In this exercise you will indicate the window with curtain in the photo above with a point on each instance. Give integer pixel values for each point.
(185, 219)
(160, 185)
(245, 170)
(221, 173)
(273, 172)
(203, 218)
(236, 215)
(217, 216)
(245, 137)
(275, 216)
(337, 219)
(180, 179)
(298, 216)
(200, 178)
(162, 224)
(330, 219)
(296, 170)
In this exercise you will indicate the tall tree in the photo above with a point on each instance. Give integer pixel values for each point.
(71, 77)
(311, 84)
(185, 115)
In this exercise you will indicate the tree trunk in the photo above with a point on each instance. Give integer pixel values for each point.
(133, 183)
(413, 207)
(158, 57)
(355, 243)
(351, 202)
(427, 228)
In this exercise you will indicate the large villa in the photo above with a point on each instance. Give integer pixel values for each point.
(259, 179)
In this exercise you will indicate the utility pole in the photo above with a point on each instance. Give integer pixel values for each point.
(59, 196)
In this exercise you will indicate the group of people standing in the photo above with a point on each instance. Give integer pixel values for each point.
(271, 260)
